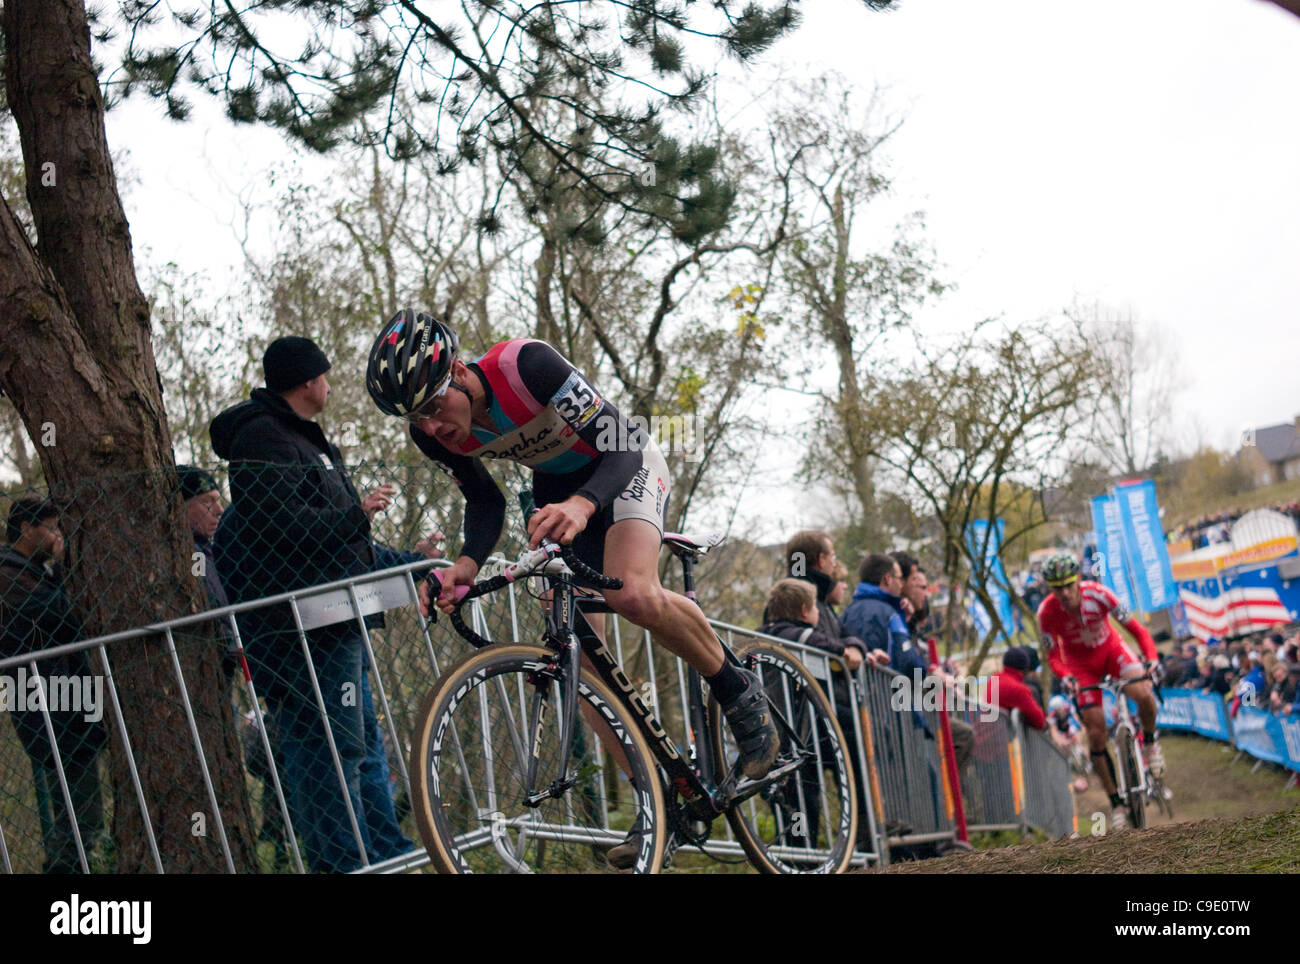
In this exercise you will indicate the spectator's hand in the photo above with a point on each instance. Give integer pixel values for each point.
(378, 500)
(852, 657)
(560, 521)
(1286, 710)
(909, 610)
(431, 546)
(879, 657)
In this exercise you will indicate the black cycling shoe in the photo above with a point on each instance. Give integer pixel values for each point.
(750, 719)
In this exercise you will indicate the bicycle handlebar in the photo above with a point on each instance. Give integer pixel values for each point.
(525, 565)
(1116, 681)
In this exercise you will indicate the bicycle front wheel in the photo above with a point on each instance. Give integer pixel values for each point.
(1133, 781)
(486, 750)
(807, 822)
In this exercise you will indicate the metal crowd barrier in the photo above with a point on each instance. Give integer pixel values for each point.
(1013, 779)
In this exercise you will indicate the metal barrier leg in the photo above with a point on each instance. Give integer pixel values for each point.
(198, 749)
(130, 761)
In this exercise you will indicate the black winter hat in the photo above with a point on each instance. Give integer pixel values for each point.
(1016, 658)
(194, 481)
(290, 361)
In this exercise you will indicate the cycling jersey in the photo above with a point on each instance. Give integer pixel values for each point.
(1084, 644)
(547, 416)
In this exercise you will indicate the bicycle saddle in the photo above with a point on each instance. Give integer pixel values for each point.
(693, 545)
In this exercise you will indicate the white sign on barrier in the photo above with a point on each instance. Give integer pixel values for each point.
(335, 606)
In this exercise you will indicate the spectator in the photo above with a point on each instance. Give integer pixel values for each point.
(810, 556)
(792, 606)
(1031, 679)
(296, 520)
(36, 614)
(915, 591)
(1282, 688)
(877, 615)
(1007, 690)
(1253, 685)
(1221, 676)
(203, 510)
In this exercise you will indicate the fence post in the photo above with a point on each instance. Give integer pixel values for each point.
(949, 753)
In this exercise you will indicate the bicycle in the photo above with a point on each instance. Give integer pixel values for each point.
(1133, 781)
(508, 762)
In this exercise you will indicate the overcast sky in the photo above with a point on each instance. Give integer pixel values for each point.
(1144, 154)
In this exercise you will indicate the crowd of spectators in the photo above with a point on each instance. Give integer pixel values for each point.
(1261, 670)
(1215, 528)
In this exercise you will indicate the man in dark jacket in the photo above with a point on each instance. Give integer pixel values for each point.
(36, 614)
(296, 520)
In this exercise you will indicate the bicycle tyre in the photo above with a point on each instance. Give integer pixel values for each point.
(1133, 781)
(760, 823)
(469, 760)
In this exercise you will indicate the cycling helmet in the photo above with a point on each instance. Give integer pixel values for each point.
(1058, 704)
(1061, 569)
(410, 362)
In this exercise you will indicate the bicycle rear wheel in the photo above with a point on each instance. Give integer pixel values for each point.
(807, 822)
(488, 734)
(1128, 751)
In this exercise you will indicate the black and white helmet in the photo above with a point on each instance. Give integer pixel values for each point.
(410, 362)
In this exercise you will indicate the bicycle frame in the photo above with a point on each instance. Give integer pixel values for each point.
(1124, 724)
(569, 632)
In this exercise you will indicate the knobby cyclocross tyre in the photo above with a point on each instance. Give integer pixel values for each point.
(1133, 779)
(806, 823)
(476, 734)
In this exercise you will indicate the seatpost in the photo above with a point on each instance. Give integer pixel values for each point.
(688, 577)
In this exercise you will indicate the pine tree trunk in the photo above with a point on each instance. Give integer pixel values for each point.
(77, 362)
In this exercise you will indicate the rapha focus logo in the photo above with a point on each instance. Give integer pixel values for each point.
(78, 918)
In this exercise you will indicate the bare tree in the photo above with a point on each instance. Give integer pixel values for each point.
(845, 296)
(1131, 418)
(977, 429)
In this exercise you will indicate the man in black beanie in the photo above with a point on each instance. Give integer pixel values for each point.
(296, 520)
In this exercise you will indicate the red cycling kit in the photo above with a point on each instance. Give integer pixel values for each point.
(1085, 645)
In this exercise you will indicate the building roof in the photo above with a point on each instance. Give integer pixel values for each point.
(1278, 443)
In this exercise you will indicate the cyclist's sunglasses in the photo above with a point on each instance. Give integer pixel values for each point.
(431, 407)
(1061, 585)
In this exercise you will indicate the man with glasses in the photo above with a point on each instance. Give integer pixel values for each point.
(1084, 646)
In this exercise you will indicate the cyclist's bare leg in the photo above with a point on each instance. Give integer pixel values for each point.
(1145, 698)
(676, 623)
(1094, 721)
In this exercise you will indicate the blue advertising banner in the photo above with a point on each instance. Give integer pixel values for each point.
(1194, 711)
(977, 534)
(1144, 546)
(1110, 546)
(1259, 733)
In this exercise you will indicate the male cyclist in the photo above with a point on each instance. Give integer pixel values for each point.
(598, 481)
(1084, 647)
